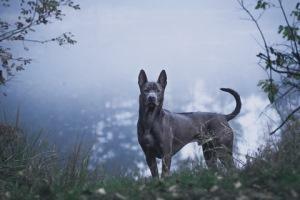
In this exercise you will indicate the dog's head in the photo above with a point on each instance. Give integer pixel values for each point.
(152, 93)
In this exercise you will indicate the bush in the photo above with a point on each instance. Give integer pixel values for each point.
(31, 169)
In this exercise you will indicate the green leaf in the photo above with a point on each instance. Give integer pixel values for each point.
(280, 28)
(270, 88)
(262, 5)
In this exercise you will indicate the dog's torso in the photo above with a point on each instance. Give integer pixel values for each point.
(171, 131)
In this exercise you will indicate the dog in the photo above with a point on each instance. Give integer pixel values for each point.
(161, 133)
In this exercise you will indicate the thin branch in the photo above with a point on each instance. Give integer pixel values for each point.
(284, 94)
(286, 119)
(286, 72)
(16, 31)
(275, 101)
(257, 42)
(37, 41)
(269, 64)
(241, 2)
(293, 84)
(295, 72)
(291, 30)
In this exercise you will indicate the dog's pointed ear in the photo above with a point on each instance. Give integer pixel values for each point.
(162, 79)
(142, 78)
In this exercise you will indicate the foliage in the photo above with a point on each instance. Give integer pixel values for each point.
(30, 15)
(272, 173)
(281, 61)
(30, 170)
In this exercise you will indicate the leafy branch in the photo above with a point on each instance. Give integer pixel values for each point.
(31, 14)
(282, 60)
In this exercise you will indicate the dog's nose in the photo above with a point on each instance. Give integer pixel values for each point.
(151, 98)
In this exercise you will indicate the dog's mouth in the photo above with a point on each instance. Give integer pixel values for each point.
(151, 105)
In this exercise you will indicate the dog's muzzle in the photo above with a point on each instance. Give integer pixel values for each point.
(152, 100)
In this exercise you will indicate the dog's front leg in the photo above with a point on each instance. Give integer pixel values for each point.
(166, 165)
(151, 161)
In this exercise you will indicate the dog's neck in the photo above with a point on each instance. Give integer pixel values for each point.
(148, 115)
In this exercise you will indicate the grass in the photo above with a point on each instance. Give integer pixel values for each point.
(31, 169)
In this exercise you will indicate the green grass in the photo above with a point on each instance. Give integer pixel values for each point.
(203, 184)
(31, 169)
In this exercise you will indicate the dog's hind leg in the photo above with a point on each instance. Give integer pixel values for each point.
(210, 155)
(224, 154)
(225, 147)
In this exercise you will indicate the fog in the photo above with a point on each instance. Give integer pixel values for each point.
(90, 90)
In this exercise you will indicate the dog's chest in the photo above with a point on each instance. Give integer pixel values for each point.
(150, 142)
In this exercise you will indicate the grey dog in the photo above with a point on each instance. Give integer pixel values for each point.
(162, 133)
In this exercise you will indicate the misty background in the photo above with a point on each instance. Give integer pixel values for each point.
(90, 90)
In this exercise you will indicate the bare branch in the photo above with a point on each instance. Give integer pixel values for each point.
(241, 2)
(286, 119)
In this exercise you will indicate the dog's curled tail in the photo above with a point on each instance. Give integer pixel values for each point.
(238, 103)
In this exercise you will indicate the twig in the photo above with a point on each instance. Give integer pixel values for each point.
(291, 30)
(16, 31)
(286, 119)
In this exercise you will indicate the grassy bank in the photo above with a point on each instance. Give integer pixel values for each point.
(31, 169)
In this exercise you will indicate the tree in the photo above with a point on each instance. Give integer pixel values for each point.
(281, 61)
(30, 15)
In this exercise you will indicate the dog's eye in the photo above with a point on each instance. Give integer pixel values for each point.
(156, 89)
(146, 90)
